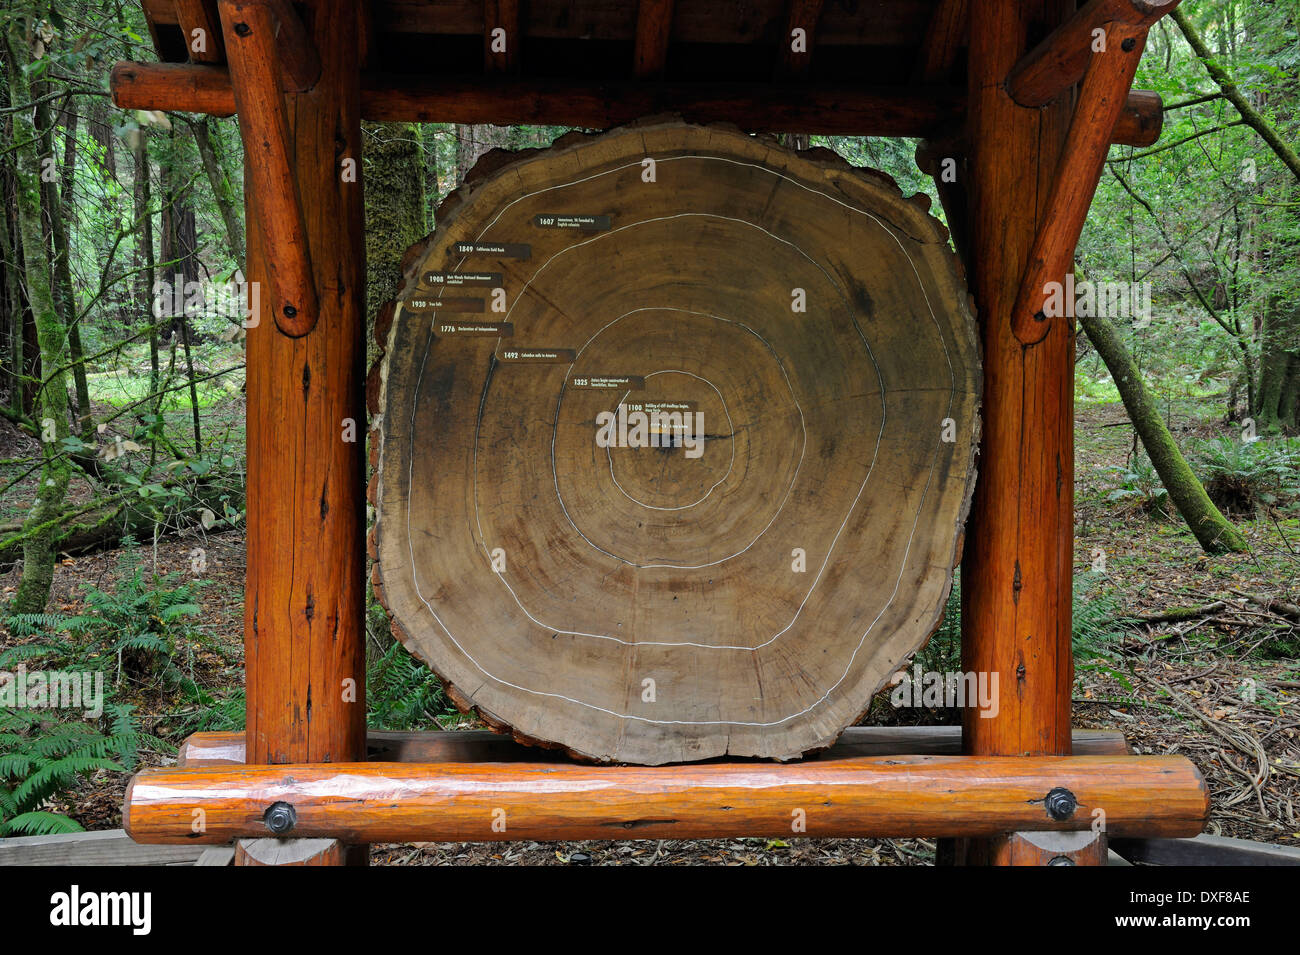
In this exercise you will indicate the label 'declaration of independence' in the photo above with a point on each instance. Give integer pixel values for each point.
(503, 250)
(555, 220)
(497, 329)
(625, 382)
(445, 304)
(462, 278)
(563, 356)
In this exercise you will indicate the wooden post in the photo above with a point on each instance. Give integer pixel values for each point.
(1016, 575)
(304, 621)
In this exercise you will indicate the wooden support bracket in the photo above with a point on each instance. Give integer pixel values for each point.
(249, 27)
(1061, 60)
(1101, 100)
(899, 796)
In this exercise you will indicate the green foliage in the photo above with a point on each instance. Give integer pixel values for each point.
(402, 694)
(136, 623)
(42, 756)
(1241, 475)
(1140, 488)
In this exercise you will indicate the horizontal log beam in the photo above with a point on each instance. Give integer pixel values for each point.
(1141, 120)
(822, 110)
(485, 746)
(1061, 59)
(895, 796)
(206, 89)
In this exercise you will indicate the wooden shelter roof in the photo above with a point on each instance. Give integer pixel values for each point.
(870, 67)
(859, 42)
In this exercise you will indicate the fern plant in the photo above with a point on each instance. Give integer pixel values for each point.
(1241, 475)
(402, 694)
(42, 756)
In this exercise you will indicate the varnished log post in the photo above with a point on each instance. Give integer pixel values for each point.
(1016, 575)
(304, 623)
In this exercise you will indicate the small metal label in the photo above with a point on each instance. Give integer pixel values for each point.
(462, 278)
(447, 303)
(625, 382)
(497, 329)
(545, 355)
(662, 407)
(556, 220)
(504, 250)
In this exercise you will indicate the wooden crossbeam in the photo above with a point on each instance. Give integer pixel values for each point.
(1101, 100)
(654, 26)
(823, 110)
(1060, 61)
(917, 111)
(501, 36)
(895, 796)
(795, 53)
(249, 27)
(200, 24)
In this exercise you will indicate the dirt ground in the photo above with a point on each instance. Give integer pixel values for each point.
(1218, 685)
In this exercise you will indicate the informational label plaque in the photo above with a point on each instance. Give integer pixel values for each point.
(447, 303)
(562, 221)
(540, 355)
(502, 250)
(499, 329)
(625, 382)
(462, 278)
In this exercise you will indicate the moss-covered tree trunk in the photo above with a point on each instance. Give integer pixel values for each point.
(207, 137)
(1211, 528)
(395, 207)
(51, 405)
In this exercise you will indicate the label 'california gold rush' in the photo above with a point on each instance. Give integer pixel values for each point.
(505, 250)
(501, 329)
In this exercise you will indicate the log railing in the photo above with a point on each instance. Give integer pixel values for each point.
(888, 796)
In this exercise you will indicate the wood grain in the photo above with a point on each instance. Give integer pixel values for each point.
(268, 151)
(304, 625)
(886, 797)
(1060, 60)
(1017, 574)
(770, 584)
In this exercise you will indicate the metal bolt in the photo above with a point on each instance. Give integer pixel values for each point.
(290, 311)
(280, 817)
(243, 29)
(1060, 804)
(1128, 44)
(1061, 860)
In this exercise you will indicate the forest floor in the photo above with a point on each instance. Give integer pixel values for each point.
(1219, 685)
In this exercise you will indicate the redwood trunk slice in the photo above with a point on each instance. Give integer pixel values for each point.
(740, 592)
